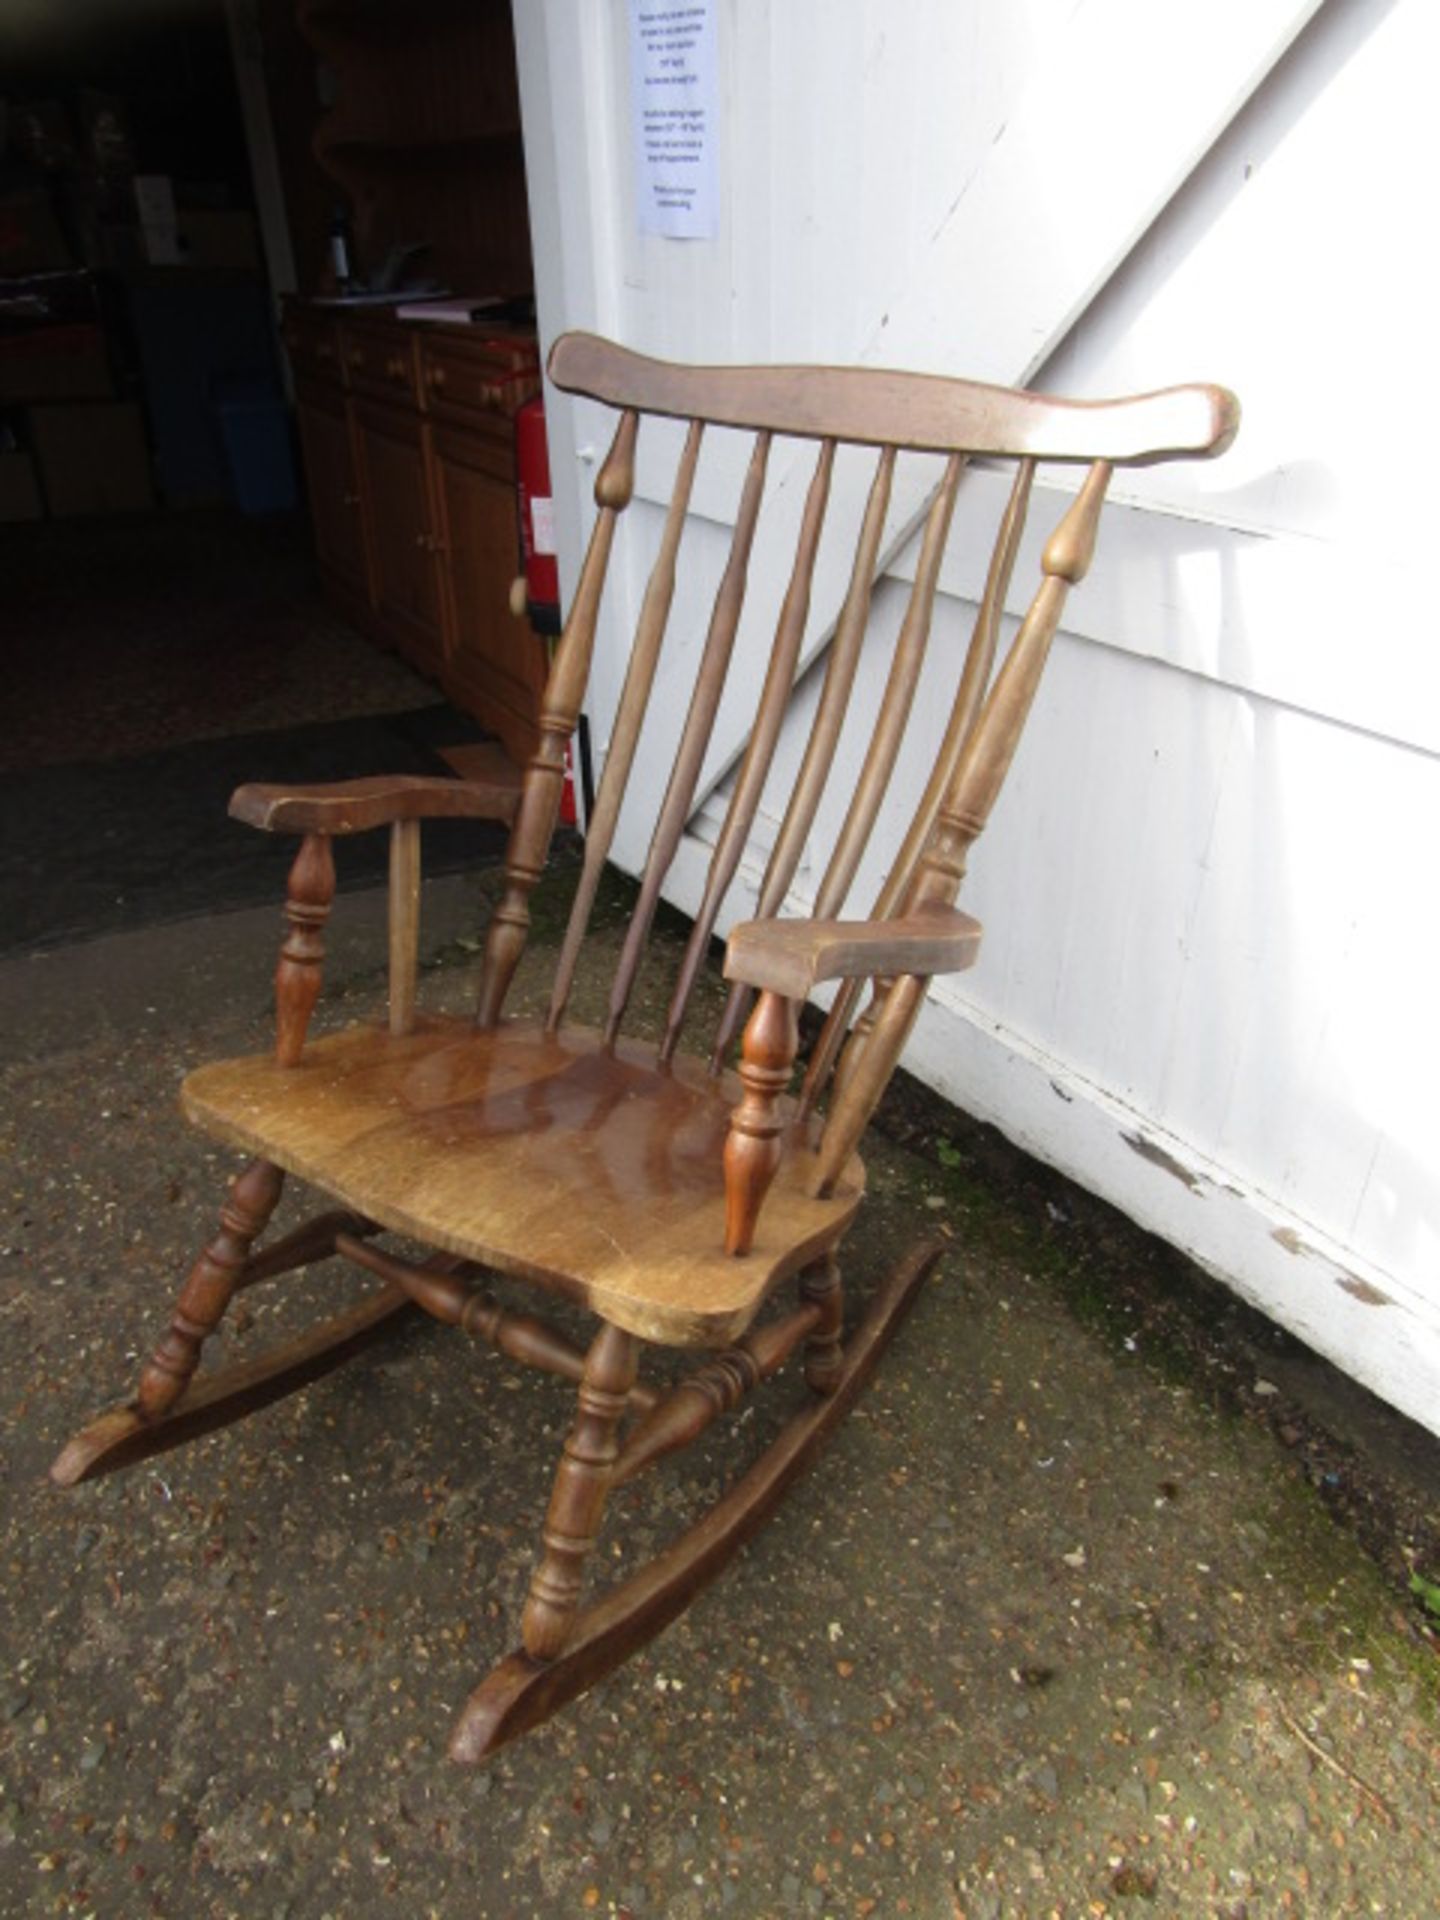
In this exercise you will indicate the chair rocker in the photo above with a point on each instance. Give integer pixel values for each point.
(667, 1194)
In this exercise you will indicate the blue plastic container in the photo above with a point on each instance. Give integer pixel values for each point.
(255, 433)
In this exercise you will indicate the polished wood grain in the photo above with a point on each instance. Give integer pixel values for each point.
(914, 410)
(540, 1155)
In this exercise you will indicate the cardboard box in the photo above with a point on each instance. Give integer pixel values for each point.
(92, 457)
(55, 363)
(19, 489)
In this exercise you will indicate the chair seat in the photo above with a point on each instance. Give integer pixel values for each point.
(591, 1172)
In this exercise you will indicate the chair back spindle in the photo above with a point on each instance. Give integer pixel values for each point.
(841, 661)
(695, 737)
(630, 715)
(774, 699)
(534, 827)
(949, 419)
(961, 817)
(974, 680)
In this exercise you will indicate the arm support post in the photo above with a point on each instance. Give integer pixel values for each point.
(753, 1145)
(404, 922)
(317, 813)
(309, 893)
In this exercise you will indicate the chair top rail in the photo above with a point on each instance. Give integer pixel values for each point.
(918, 411)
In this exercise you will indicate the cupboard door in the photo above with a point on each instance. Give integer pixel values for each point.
(402, 547)
(333, 487)
(495, 664)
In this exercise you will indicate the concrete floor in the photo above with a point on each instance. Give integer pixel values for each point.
(1047, 1632)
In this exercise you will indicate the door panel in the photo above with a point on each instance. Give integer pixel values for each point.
(334, 488)
(407, 587)
(495, 664)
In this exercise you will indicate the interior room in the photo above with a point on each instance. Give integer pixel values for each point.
(253, 522)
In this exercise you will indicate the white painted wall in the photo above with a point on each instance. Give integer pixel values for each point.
(1205, 985)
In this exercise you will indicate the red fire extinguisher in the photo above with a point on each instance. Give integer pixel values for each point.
(537, 518)
(536, 593)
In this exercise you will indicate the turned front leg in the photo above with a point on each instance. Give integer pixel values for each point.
(309, 893)
(207, 1290)
(753, 1144)
(582, 1482)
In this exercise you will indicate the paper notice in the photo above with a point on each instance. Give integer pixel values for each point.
(673, 84)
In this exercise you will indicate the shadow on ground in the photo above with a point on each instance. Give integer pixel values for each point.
(1056, 1627)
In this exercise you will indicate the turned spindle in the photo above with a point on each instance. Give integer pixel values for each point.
(824, 1349)
(309, 893)
(577, 1503)
(207, 1290)
(753, 1145)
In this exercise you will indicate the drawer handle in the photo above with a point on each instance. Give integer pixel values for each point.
(395, 367)
(350, 499)
(437, 377)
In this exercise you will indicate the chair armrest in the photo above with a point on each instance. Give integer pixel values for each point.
(354, 806)
(317, 813)
(790, 956)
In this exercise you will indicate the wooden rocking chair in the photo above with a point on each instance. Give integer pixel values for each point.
(665, 1194)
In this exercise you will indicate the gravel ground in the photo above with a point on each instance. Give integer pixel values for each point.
(1053, 1629)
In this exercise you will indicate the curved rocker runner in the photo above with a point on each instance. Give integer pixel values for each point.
(669, 1194)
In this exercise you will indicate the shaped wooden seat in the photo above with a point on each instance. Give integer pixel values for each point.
(542, 1155)
(669, 1194)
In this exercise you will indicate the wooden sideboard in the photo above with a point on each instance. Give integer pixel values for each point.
(408, 437)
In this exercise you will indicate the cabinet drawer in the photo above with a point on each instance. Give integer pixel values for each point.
(380, 360)
(460, 378)
(486, 445)
(313, 343)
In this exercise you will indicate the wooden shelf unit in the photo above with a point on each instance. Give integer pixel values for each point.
(424, 134)
(408, 437)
